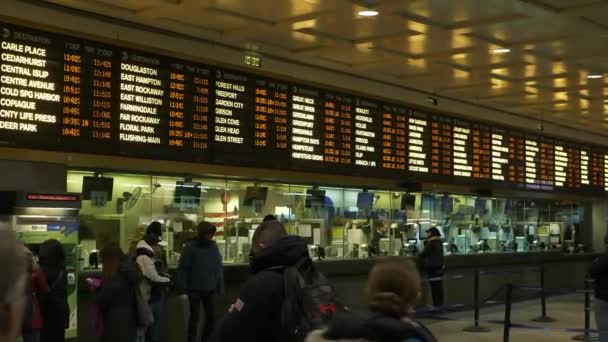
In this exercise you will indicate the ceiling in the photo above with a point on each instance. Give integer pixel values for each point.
(445, 47)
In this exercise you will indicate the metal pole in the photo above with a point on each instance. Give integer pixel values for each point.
(476, 327)
(586, 336)
(507, 324)
(543, 300)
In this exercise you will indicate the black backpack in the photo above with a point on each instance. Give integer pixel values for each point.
(309, 301)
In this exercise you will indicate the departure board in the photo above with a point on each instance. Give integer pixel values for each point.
(31, 88)
(418, 143)
(482, 151)
(501, 153)
(441, 146)
(573, 167)
(547, 164)
(271, 122)
(307, 127)
(73, 94)
(339, 139)
(462, 149)
(394, 138)
(367, 135)
(596, 171)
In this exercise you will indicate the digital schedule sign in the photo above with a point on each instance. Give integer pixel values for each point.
(72, 94)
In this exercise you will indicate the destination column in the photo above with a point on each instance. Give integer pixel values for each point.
(142, 107)
(30, 95)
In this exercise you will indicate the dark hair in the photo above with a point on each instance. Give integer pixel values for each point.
(393, 287)
(269, 217)
(155, 228)
(205, 229)
(111, 256)
(433, 231)
(267, 233)
(51, 254)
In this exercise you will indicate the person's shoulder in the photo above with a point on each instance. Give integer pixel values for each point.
(316, 336)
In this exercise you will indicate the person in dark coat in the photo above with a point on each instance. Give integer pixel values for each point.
(200, 275)
(55, 307)
(392, 291)
(256, 314)
(116, 296)
(432, 263)
(599, 273)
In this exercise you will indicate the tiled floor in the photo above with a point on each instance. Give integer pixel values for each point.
(568, 311)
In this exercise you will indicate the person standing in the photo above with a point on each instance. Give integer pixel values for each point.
(154, 283)
(432, 263)
(36, 289)
(116, 296)
(392, 290)
(55, 307)
(599, 273)
(256, 314)
(12, 286)
(200, 276)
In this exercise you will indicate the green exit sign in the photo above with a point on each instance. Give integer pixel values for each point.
(253, 60)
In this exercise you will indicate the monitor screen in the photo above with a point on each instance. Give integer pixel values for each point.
(365, 200)
(97, 184)
(187, 193)
(253, 193)
(315, 198)
(408, 201)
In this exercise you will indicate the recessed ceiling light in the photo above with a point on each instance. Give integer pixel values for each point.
(595, 76)
(368, 13)
(501, 50)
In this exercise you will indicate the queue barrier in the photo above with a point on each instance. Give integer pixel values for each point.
(587, 331)
(477, 327)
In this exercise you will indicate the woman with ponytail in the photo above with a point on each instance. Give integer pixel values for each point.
(392, 289)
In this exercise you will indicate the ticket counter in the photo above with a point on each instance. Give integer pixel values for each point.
(337, 222)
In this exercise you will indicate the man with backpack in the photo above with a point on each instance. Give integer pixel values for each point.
(285, 298)
(154, 283)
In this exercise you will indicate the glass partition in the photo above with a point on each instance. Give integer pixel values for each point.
(336, 222)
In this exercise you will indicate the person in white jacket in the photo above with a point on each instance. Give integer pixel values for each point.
(152, 286)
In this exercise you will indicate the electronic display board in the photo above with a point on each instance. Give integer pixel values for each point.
(339, 137)
(418, 143)
(394, 138)
(73, 94)
(367, 133)
(272, 124)
(482, 151)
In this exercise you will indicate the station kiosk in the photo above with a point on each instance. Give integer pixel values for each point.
(37, 217)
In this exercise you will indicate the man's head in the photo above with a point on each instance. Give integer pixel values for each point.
(154, 233)
(206, 230)
(12, 286)
(267, 234)
(269, 217)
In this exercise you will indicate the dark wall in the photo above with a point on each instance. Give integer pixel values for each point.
(349, 277)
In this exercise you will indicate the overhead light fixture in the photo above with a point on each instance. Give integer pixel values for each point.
(501, 50)
(595, 76)
(368, 13)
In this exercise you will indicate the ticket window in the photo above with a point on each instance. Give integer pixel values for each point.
(252, 202)
(366, 225)
(115, 217)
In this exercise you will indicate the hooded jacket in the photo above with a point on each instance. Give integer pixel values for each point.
(256, 314)
(200, 268)
(146, 261)
(117, 303)
(371, 327)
